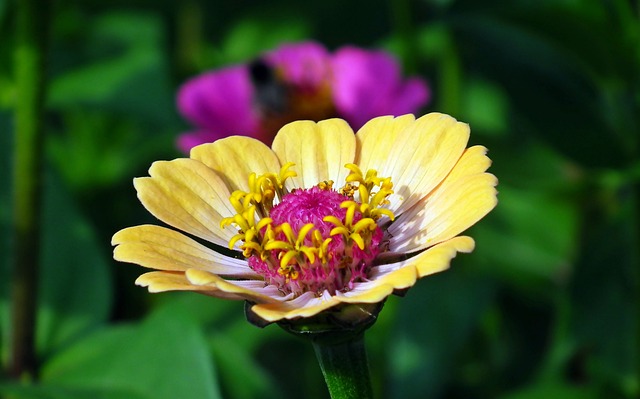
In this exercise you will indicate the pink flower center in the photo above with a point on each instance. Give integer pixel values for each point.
(311, 240)
(315, 259)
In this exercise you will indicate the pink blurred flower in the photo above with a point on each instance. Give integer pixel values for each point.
(296, 81)
(368, 83)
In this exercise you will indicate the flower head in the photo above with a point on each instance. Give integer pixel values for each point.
(293, 82)
(322, 219)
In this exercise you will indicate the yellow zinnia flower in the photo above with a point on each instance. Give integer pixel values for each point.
(323, 218)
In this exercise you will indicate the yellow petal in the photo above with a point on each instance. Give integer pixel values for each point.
(188, 196)
(417, 156)
(306, 305)
(256, 292)
(173, 281)
(319, 150)
(235, 158)
(438, 258)
(411, 231)
(452, 208)
(168, 281)
(473, 161)
(379, 133)
(164, 249)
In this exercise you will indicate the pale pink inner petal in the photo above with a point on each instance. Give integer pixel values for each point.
(260, 287)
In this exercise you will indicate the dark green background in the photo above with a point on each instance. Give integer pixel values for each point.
(546, 307)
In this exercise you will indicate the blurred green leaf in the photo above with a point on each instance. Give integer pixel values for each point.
(3, 10)
(232, 340)
(554, 392)
(203, 310)
(17, 391)
(251, 36)
(604, 292)
(485, 107)
(433, 322)
(251, 380)
(552, 91)
(114, 103)
(529, 239)
(132, 75)
(93, 149)
(6, 144)
(7, 90)
(527, 164)
(161, 358)
(74, 293)
(75, 284)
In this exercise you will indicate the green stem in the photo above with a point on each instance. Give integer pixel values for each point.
(31, 37)
(345, 367)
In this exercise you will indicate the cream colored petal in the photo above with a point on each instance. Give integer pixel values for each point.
(188, 196)
(473, 161)
(306, 305)
(436, 258)
(319, 150)
(168, 281)
(417, 156)
(452, 208)
(174, 281)
(164, 249)
(409, 232)
(379, 133)
(235, 158)
(254, 291)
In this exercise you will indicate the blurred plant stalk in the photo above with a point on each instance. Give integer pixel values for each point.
(32, 28)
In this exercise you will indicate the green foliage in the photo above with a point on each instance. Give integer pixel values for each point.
(545, 307)
(423, 349)
(136, 358)
(75, 291)
(5, 233)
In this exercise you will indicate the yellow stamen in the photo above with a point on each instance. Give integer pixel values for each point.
(287, 257)
(290, 252)
(325, 185)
